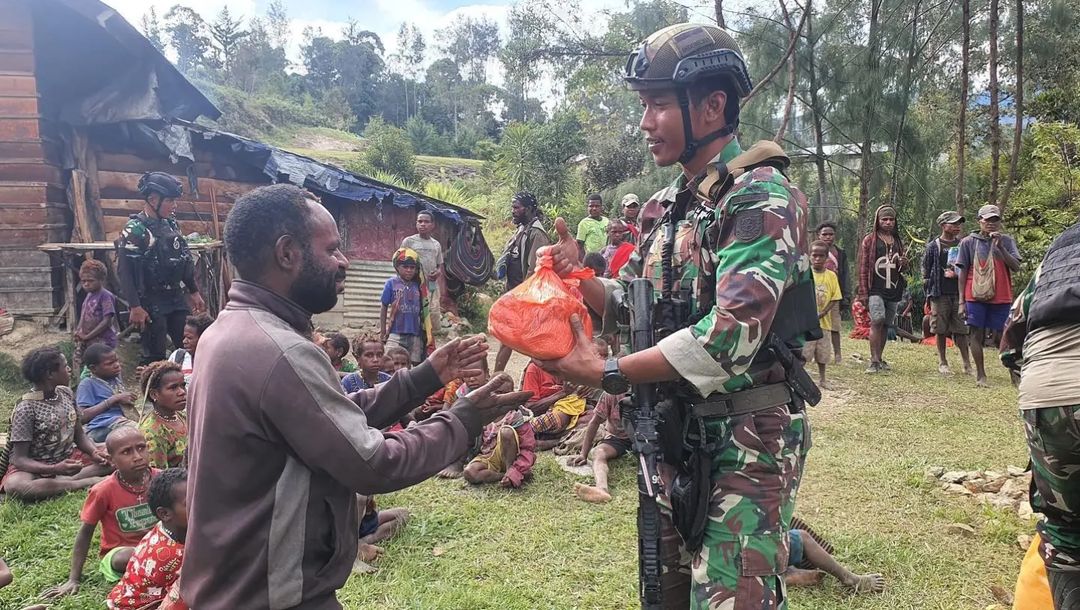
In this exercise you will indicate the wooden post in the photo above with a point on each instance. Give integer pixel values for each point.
(69, 291)
(214, 211)
(77, 198)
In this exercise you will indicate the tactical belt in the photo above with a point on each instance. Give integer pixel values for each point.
(743, 402)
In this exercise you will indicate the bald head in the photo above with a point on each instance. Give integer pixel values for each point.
(122, 437)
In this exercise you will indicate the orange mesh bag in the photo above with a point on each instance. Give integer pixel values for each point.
(534, 317)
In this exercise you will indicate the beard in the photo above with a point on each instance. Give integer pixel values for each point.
(315, 290)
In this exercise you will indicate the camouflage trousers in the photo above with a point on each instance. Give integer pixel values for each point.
(1053, 436)
(755, 475)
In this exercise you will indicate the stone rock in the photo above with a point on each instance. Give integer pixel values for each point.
(1024, 541)
(974, 485)
(935, 472)
(484, 299)
(975, 474)
(960, 529)
(1024, 510)
(993, 485)
(1013, 471)
(1014, 488)
(1000, 501)
(956, 488)
(954, 476)
(992, 474)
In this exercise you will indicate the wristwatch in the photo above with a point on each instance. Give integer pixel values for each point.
(614, 382)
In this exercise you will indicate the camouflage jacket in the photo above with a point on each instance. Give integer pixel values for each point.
(140, 237)
(754, 241)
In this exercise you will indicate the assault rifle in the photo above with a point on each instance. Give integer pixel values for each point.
(642, 423)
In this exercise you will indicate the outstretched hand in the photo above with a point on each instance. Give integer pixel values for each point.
(69, 587)
(492, 400)
(582, 365)
(564, 253)
(459, 358)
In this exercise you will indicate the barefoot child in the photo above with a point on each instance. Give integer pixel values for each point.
(507, 453)
(369, 354)
(827, 288)
(97, 321)
(563, 415)
(119, 504)
(403, 318)
(809, 558)
(155, 563)
(614, 444)
(48, 451)
(375, 526)
(165, 423)
(101, 396)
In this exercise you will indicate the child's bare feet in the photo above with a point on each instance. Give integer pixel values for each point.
(453, 471)
(867, 583)
(368, 552)
(361, 567)
(794, 577)
(592, 494)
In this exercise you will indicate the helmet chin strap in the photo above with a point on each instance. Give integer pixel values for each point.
(692, 146)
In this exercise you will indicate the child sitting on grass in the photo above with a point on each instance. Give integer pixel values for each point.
(48, 452)
(615, 443)
(155, 563)
(827, 289)
(566, 406)
(507, 453)
(97, 320)
(194, 327)
(119, 504)
(101, 396)
(375, 526)
(809, 560)
(164, 423)
(369, 354)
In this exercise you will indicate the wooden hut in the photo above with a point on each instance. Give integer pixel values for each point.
(87, 105)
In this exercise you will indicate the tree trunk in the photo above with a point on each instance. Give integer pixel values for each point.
(909, 69)
(815, 109)
(873, 85)
(1018, 128)
(995, 123)
(961, 140)
(719, 6)
(790, 104)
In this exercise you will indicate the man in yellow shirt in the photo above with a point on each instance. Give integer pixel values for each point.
(827, 288)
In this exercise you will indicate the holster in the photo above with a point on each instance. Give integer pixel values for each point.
(689, 493)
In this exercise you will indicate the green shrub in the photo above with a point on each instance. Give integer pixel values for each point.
(388, 150)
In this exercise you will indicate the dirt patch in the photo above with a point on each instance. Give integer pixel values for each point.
(26, 336)
(319, 141)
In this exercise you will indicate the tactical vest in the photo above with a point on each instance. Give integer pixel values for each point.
(796, 320)
(1056, 299)
(167, 258)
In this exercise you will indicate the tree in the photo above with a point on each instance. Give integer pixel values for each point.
(388, 149)
(470, 43)
(354, 64)
(995, 122)
(1018, 103)
(277, 24)
(189, 37)
(227, 32)
(961, 117)
(871, 88)
(151, 28)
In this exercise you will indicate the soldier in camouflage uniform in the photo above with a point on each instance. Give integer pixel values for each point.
(1042, 342)
(741, 258)
(155, 267)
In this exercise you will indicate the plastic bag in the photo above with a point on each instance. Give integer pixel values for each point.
(534, 317)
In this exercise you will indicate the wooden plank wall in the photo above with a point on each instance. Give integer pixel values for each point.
(33, 206)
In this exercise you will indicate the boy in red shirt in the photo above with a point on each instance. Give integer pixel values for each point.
(119, 504)
(155, 564)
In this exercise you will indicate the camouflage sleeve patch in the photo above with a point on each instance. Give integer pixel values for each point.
(134, 237)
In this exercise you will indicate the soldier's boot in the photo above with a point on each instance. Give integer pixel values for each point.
(1065, 587)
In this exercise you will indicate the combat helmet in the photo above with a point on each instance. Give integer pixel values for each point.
(681, 55)
(161, 183)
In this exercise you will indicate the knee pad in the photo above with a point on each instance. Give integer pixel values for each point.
(1065, 587)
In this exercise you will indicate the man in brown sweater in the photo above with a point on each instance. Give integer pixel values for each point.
(277, 450)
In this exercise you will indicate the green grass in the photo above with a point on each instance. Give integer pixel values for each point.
(540, 548)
